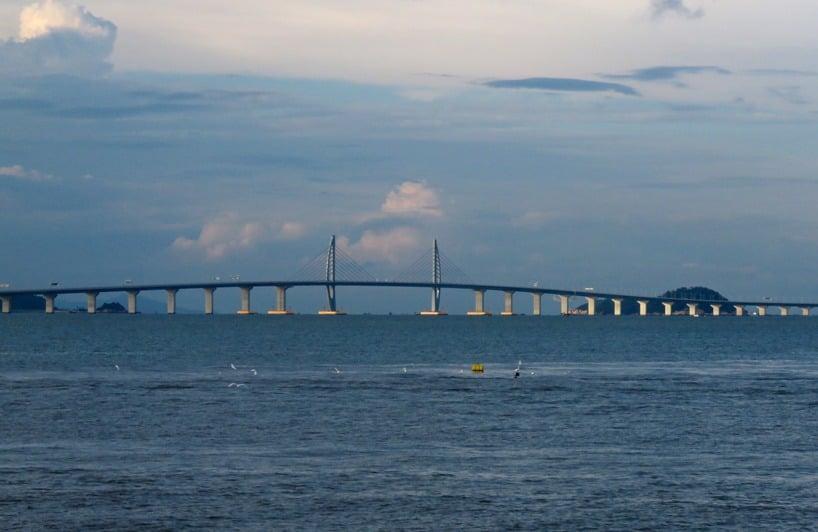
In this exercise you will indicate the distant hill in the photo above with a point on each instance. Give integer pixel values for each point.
(631, 306)
(112, 307)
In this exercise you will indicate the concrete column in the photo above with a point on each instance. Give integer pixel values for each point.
(480, 300)
(171, 300)
(805, 311)
(537, 308)
(716, 309)
(762, 310)
(49, 303)
(479, 304)
(281, 298)
(785, 311)
(564, 304)
(739, 310)
(245, 299)
(132, 301)
(91, 298)
(668, 307)
(617, 306)
(281, 302)
(591, 305)
(509, 311)
(208, 293)
(643, 307)
(693, 309)
(6, 300)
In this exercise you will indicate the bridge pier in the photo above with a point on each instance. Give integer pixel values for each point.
(668, 307)
(785, 311)
(171, 300)
(245, 300)
(6, 302)
(693, 309)
(208, 303)
(805, 311)
(479, 304)
(762, 310)
(281, 302)
(716, 309)
(91, 302)
(739, 310)
(617, 303)
(509, 309)
(49, 303)
(537, 304)
(564, 305)
(132, 301)
(643, 307)
(591, 305)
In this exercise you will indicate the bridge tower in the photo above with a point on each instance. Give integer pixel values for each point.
(331, 276)
(437, 278)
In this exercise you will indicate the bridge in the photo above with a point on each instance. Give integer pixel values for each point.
(333, 269)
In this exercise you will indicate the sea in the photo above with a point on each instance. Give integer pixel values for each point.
(225, 422)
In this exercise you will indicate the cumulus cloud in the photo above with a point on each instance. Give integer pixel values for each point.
(678, 7)
(58, 37)
(19, 172)
(292, 230)
(412, 198)
(221, 237)
(392, 245)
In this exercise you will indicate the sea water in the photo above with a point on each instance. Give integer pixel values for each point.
(378, 423)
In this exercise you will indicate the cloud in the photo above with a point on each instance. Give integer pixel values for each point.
(57, 37)
(221, 237)
(392, 246)
(19, 172)
(665, 73)
(412, 198)
(561, 84)
(292, 230)
(660, 7)
(790, 94)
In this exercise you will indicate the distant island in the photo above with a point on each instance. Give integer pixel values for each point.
(111, 308)
(630, 305)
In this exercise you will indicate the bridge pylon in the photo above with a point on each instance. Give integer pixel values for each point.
(437, 280)
(330, 276)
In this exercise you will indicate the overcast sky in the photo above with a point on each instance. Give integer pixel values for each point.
(628, 145)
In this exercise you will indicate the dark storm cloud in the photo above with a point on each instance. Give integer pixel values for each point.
(678, 7)
(666, 73)
(561, 84)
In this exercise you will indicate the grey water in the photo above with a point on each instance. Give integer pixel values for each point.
(121, 422)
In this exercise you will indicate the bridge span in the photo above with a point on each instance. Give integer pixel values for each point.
(564, 296)
(330, 281)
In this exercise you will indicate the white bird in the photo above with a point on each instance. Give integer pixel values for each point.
(116, 366)
(254, 371)
(337, 370)
(405, 370)
(232, 366)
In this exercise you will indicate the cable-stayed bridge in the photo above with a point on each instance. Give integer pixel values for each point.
(334, 268)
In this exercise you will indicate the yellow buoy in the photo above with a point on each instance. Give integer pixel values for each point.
(477, 368)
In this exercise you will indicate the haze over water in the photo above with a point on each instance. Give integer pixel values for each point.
(376, 422)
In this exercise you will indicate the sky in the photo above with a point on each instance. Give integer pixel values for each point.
(631, 145)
